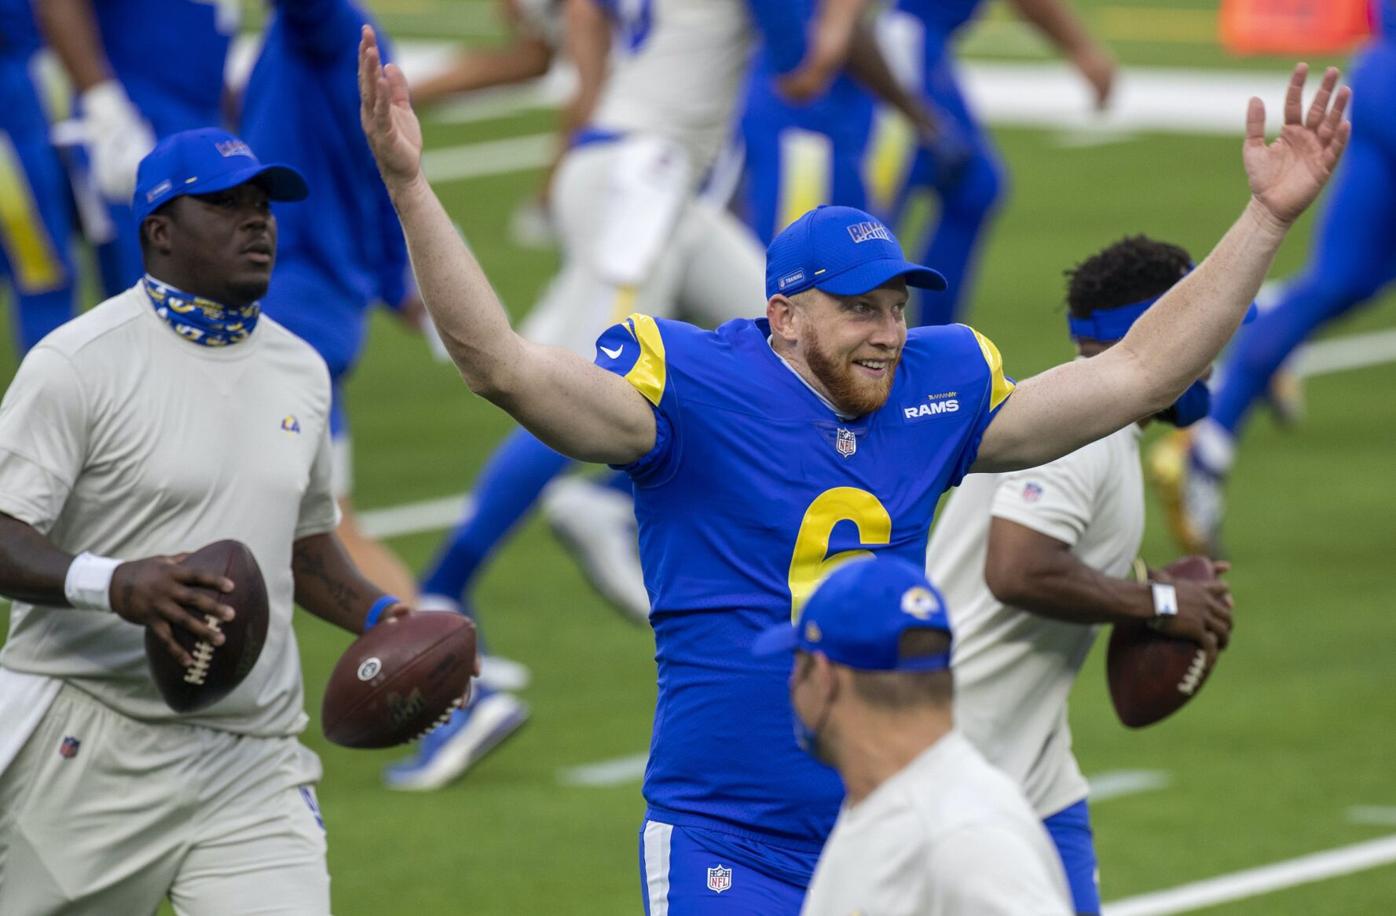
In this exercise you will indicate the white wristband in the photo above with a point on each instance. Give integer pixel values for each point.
(88, 583)
(1165, 602)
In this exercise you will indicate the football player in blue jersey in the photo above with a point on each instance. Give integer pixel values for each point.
(962, 170)
(768, 452)
(340, 255)
(35, 225)
(142, 70)
(1353, 260)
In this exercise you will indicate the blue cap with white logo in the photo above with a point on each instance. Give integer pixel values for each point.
(857, 616)
(843, 251)
(204, 161)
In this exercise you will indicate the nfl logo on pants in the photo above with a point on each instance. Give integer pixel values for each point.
(719, 879)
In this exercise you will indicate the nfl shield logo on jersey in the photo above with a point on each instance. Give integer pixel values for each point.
(845, 442)
(719, 879)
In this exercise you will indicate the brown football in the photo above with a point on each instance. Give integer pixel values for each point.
(217, 670)
(399, 680)
(1152, 675)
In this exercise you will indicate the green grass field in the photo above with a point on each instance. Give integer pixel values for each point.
(1288, 735)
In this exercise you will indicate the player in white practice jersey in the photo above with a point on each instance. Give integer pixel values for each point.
(167, 417)
(928, 827)
(1031, 562)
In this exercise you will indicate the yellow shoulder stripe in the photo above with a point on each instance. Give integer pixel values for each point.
(1001, 387)
(648, 374)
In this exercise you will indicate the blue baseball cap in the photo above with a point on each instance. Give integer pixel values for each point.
(843, 251)
(204, 161)
(858, 614)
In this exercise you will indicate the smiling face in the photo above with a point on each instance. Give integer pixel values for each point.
(848, 347)
(221, 245)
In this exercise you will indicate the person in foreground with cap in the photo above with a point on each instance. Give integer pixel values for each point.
(769, 451)
(1031, 562)
(928, 826)
(167, 417)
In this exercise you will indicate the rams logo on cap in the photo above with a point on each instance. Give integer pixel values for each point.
(233, 147)
(919, 602)
(862, 232)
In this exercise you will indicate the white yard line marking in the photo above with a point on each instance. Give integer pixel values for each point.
(606, 773)
(1256, 881)
(1377, 815)
(415, 518)
(1120, 783)
(493, 157)
(1337, 354)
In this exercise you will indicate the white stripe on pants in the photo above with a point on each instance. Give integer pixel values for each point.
(657, 866)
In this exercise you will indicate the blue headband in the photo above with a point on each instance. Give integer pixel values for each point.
(1109, 324)
(1114, 324)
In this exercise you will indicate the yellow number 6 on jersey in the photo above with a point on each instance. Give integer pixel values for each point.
(810, 562)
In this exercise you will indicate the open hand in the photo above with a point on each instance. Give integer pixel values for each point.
(385, 111)
(1288, 174)
(159, 593)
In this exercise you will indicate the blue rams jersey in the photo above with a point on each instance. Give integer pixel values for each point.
(169, 57)
(342, 248)
(1385, 11)
(753, 492)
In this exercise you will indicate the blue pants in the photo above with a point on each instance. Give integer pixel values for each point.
(1070, 829)
(35, 211)
(691, 871)
(1354, 253)
(779, 187)
(968, 194)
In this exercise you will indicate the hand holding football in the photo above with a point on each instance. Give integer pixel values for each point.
(399, 680)
(1152, 674)
(217, 669)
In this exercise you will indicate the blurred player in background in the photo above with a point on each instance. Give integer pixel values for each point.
(927, 825)
(1353, 260)
(341, 252)
(167, 417)
(768, 452)
(1033, 561)
(538, 32)
(35, 204)
(635, 235)
(142, 70)
(962, 169)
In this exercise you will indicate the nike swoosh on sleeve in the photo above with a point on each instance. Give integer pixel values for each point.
(613, 354)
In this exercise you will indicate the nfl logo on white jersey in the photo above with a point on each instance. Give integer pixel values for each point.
(846, 443)
(719, 879)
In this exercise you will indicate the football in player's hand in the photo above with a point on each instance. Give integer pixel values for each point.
(1151, 675)
(399, 680)
(217, 670)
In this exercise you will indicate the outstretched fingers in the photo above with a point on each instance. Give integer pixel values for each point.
(368, 74)
(1319, 107)
(1255, 122)
(1294, 94)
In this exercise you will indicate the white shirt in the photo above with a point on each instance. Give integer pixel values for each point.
(949, 834)
(681, 79)
(1013, 669)
(121, 438)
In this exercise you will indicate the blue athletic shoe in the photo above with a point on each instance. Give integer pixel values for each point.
(447, 752)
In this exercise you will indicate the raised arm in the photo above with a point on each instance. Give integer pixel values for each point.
(1172, 344)
(577, 408)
